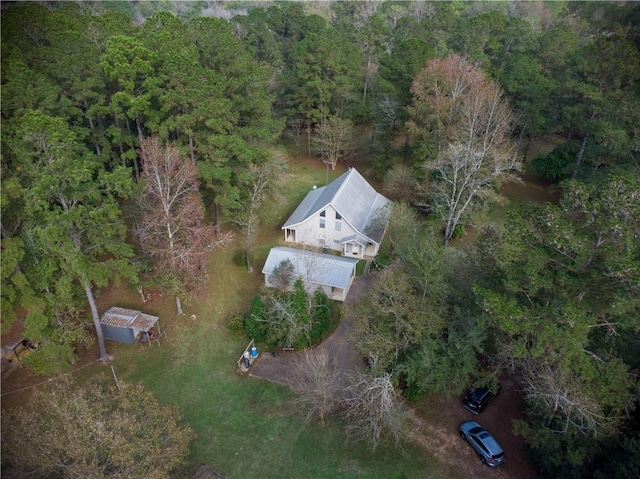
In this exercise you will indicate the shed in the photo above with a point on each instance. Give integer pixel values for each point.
(125, 325)
(330, 273)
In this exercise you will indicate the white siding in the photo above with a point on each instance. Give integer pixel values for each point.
(311, 234)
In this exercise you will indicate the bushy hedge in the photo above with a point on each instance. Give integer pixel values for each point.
(556, 165)
(289, 318)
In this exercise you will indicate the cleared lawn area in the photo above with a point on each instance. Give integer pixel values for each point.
(246, 427)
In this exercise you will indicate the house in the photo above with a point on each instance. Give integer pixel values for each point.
(347, 215)
(332, 274)
(127, 325)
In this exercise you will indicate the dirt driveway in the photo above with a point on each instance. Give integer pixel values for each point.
(436, 419)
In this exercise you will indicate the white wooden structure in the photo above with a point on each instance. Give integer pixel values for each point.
(347, 215)
(332, 274)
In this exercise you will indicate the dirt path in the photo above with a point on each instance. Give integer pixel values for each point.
(435, 426)
(435, 423)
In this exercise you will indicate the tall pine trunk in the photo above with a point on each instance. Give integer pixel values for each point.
(192, 149)
(96, 321)
(579, 157)
(115, 117)
(86, 284)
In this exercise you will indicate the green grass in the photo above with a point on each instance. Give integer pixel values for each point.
(245, 426)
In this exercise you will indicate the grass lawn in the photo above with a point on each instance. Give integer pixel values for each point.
(245, 426)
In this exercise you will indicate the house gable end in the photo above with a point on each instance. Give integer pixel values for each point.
(362, 210)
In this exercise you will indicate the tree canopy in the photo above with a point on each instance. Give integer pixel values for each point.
(94, 430)
(442, 99)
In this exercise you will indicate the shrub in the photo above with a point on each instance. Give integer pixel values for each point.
(321, 325)
(458, 232)
(240, 259)
(253, 322)
(557, 164)
(236, 324)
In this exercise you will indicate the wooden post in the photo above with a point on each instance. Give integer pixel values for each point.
(115, 377)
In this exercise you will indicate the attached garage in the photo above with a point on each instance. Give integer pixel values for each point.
(128, 325)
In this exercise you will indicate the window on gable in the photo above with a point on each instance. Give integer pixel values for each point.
(338, 217)
(322, 220)
(338, 225)
(323, 213)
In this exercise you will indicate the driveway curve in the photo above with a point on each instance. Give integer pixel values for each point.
(434, 424)
(278, 368)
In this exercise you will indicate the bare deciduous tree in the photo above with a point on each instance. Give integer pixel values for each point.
(566, 398)
(283, 275)
(333, 139)
(373, 409)
(465, 124)
(318, 383)
(261, 183)
(170, 226)
(387, 113)
(400, 184)
(294, 129)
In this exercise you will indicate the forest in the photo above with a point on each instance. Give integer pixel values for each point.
(140, 138)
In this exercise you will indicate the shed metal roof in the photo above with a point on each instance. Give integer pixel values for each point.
(317, 268)
(128, 318)
(354, 198)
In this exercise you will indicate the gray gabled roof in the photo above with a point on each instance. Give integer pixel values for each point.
(354, 239)
(128, 318)
(312, 267)
(359, 204)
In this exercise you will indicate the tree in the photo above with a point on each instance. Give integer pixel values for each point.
(72, 210)
(568, 288)
(400, 185)
(283, 275)
(318, 383)
(94, 430)
(442, 364)
(131, 67)
(446, 356)
(171, 227)
(320, 77)
(254, 30)
(463, 124)
(391, 320)
(333, 139)
(261, 182)
(373, 410)
(233, 115)
(400, 66)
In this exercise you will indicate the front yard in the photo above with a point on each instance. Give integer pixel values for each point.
(245, 426)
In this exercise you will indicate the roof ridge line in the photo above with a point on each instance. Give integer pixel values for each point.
(349, 172)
